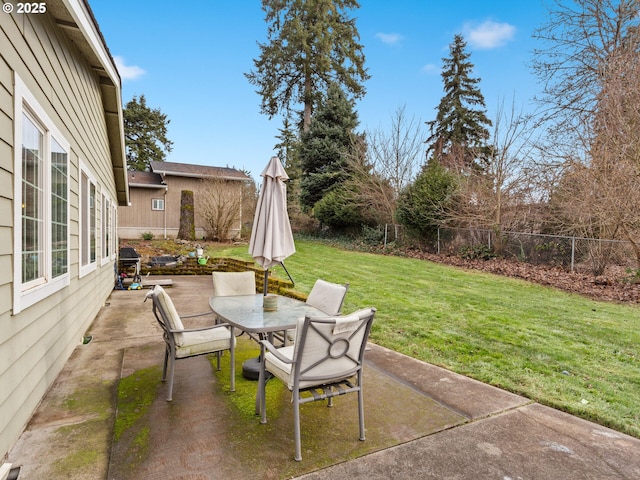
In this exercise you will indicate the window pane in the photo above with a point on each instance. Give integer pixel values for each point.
(84, 221)
(92, 219)
(32, 200)
(59, 208)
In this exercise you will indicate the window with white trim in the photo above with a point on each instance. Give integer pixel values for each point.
(157, 204)
(87, 222)
(41, 226)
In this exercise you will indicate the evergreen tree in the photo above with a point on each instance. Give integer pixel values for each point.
(288, 153)
(325, 148)
(311, 43)
(423, 205)
(145, 133)
(459, 133)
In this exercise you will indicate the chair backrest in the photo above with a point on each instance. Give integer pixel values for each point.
(327, 296)
(227, 284)
(166, 313)
(330, 348)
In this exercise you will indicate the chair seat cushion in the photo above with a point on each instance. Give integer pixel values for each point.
(204, 341)
(278, 368)
(282, 370)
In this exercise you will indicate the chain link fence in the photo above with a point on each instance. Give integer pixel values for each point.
(573, 254)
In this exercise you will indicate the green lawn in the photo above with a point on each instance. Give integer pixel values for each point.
(559, 349)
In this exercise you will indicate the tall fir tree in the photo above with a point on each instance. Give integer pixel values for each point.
(459, 133)
(288, 152)
(311, 43)
(325, 148)
(145, 133)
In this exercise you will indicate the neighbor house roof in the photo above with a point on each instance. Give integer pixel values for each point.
(145, 180)
(197, 171)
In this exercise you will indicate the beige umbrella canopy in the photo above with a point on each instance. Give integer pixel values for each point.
(271, 238)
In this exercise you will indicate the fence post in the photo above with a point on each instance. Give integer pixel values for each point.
(573, 252)
(386, 229)
(438, 247)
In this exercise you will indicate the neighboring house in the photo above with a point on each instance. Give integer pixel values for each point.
(63, 174)
(156, 195)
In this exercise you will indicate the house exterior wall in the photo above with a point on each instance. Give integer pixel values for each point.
(43, 73)
(139, 218)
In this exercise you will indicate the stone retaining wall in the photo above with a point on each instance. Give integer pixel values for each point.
(191, 267)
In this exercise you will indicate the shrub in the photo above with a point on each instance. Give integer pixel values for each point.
(477, 252)
(147, 236)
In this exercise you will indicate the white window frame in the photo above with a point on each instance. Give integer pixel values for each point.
(29, 293)
(157, 204)
(85, 210)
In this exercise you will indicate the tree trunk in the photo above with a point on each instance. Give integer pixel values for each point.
(187, 229)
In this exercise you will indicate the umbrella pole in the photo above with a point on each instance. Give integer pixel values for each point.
(266, 282)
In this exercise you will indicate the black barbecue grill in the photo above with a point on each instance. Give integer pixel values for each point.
(129, 258)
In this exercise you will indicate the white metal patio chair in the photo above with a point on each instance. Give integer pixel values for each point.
(183, 343)
(325, 361)
(227, 284)
(325, 296)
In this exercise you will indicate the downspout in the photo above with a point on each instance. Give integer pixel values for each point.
(166, 188)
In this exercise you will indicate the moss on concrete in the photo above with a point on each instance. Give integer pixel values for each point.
(135, 396)
(87, 439)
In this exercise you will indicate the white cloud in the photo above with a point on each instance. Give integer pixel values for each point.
(127, 72)
(489, 34)
(430, 69)
(389, 38)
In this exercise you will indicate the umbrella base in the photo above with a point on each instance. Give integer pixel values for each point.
(251, 369)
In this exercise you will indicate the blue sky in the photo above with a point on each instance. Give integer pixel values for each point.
(188, 59)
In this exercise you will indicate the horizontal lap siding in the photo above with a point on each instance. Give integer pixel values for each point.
(139, 214)
(36, 343)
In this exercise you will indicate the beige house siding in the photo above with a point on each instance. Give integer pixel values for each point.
(56, 64)
(139, 218)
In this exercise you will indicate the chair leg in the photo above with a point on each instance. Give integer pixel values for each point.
(232, 359)
(171, 370)
(164, 368)
(296, 425)
(361, 413)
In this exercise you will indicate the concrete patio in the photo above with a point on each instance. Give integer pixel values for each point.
(422, 421)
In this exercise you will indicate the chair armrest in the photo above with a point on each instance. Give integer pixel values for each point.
(200, 329)
(274, 350)
(197, 315)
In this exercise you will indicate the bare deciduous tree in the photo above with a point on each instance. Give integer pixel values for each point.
(374, 195)
(500, 196)
(221, 207)
(396, 154)
(602, 198)
(578, 40)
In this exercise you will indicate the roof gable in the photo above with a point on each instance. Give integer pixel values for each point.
(145, 179)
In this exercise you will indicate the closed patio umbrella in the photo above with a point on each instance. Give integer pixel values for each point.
(271, 238)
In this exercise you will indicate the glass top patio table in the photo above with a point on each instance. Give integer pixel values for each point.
(246, 313)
